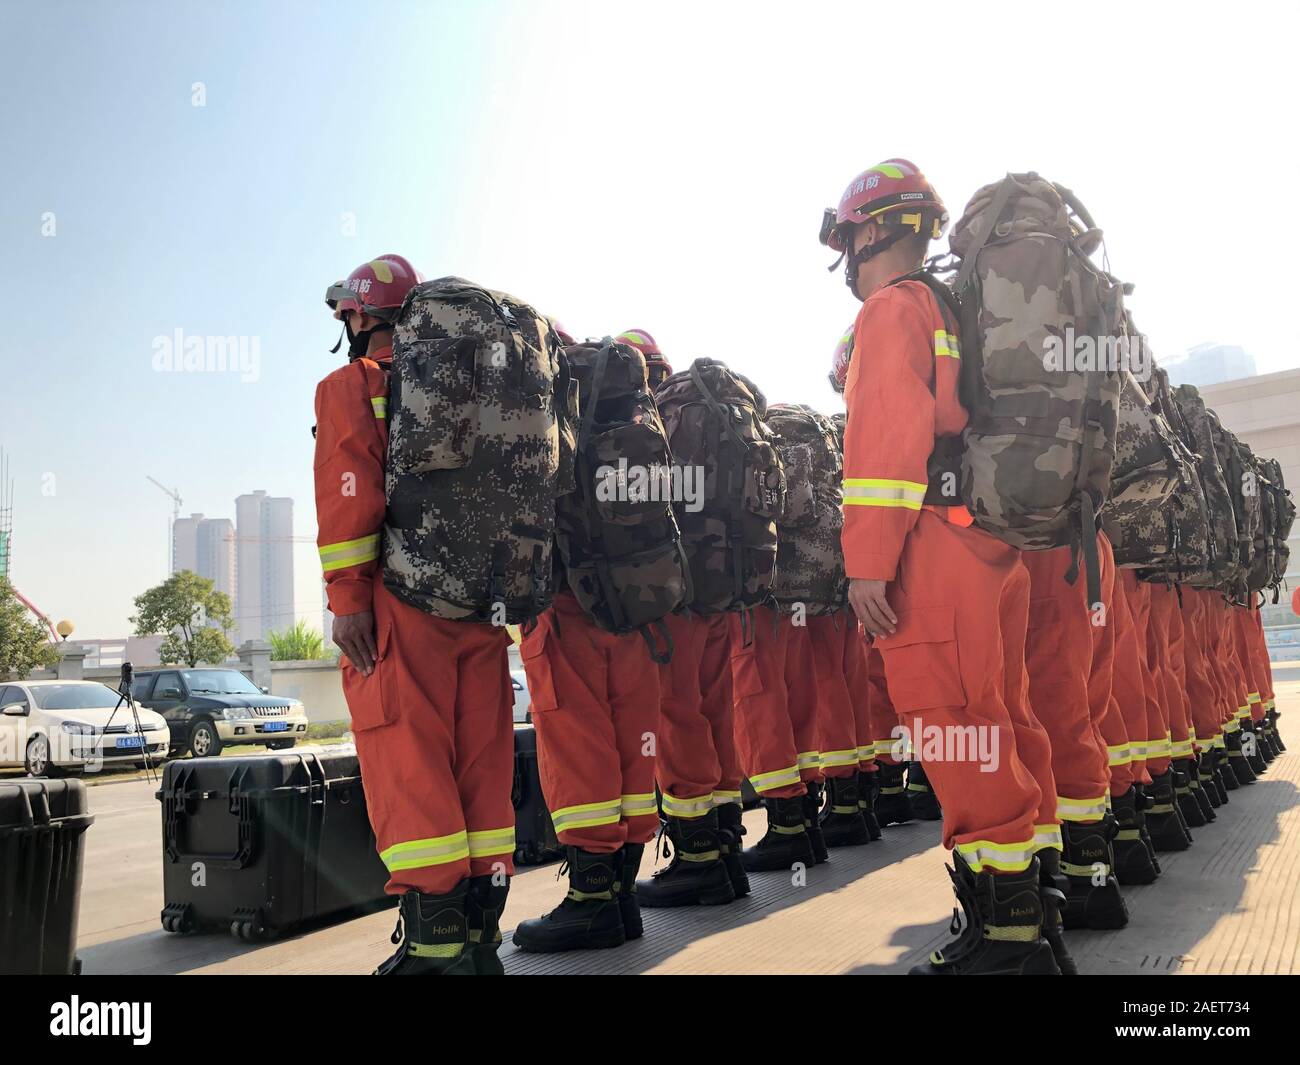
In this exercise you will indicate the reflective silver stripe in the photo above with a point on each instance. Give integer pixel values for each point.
(638, 805)
(946, 345)
(1080, 809)
(694, 807)
(588, 815)
(419, 853)
(883, 492)
(491, 841)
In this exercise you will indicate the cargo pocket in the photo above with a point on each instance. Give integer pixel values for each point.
(373, 701)
(537, 668)
(921, 667)
(746, 680)
(764, 481)
(435, 417)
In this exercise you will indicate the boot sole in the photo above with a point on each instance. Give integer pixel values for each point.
(719, 896)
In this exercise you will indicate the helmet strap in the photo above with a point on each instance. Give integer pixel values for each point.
(852, 260)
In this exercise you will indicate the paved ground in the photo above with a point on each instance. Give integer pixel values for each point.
(1229, 904)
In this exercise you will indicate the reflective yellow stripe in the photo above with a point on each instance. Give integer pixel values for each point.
(883, 492)
(721, 798)
(349, 552)
(492, 841)
(1120, 754)
(436, 950)
(420, 853)
(1008, 857)
(1252, 697)
(1231, 726)
(1048, 836)
(1182, 749)
(587, 815)
(1243, 711)
(380, 406)
(867, 753)
(1080, 809)
(836, 758)
(945, 345)
(778, 778)
(810, 759)
(1159, 748)
(693, 807)
(638, 805)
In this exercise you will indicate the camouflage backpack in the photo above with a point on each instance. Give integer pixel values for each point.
(1190, 548)
(1262, 564)
(480, 446)
(714, 419)
(1221, 560)
(1150, 466)
(1243, 482)
(618, 542)
(1043, 400)
(809, 558)
(1284, 512)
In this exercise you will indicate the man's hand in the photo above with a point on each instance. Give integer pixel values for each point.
(869, 603)
(355, 636)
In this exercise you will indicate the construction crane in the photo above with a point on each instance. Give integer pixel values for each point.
(175, 496)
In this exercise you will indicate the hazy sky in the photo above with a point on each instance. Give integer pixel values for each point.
(661, 166)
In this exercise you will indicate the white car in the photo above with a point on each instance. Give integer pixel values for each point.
(523, 699)
(53, 726)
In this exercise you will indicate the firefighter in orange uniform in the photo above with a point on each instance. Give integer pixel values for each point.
(943, 601)
(430, 699)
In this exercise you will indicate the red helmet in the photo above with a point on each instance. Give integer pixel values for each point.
(840, 362)
(647, 346)
(894, 186)
(376, 288)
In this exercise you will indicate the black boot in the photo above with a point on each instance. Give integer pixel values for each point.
(589, 917)
(1053, 885)
(925, 804)
(731, 834)
(1237, 760)
(1144, 804)
(697, 875)
(484, 903)
(893, 807)
(629, 907)
(786, 841)
(868, 787)
(1192, 768)
(1273, 731)
(1208, 792)
(1092, 898)
(1267, 747)
(1223, 773)
(1251, 748)
(812, 822)
(1184, 771)
(1006, 936)
(842, 822)
(432, 936)
(1134, 863)
(1163, 822)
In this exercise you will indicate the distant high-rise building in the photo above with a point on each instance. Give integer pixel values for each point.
(1211, 364)
(214, 551)
(263, 565)
(185, 536)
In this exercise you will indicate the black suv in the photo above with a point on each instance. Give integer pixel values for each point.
(206, 709)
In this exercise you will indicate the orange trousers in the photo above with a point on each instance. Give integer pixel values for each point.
(1263, 665)
(1155, 735)
(857, 674)
(697, 767)
(1202, 698)
(435, 738)
(596, 711)
(955, 673)
(1128, 683)
(837, 728)
(1167, 628)
(1058, 657)
(1243, 631)
(775, 694)
(882, 718)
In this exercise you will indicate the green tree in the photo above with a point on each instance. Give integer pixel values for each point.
(24, 642)
(299, 642)
(192, 617)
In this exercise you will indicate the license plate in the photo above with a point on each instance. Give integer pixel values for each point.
(127, 742)
(275, 726)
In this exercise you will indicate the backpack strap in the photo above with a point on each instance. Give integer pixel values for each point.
(994, 216)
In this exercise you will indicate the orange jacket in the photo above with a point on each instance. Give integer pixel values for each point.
(351, 446)
(901, 394)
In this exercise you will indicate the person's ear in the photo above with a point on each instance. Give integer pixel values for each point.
(867, 234)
